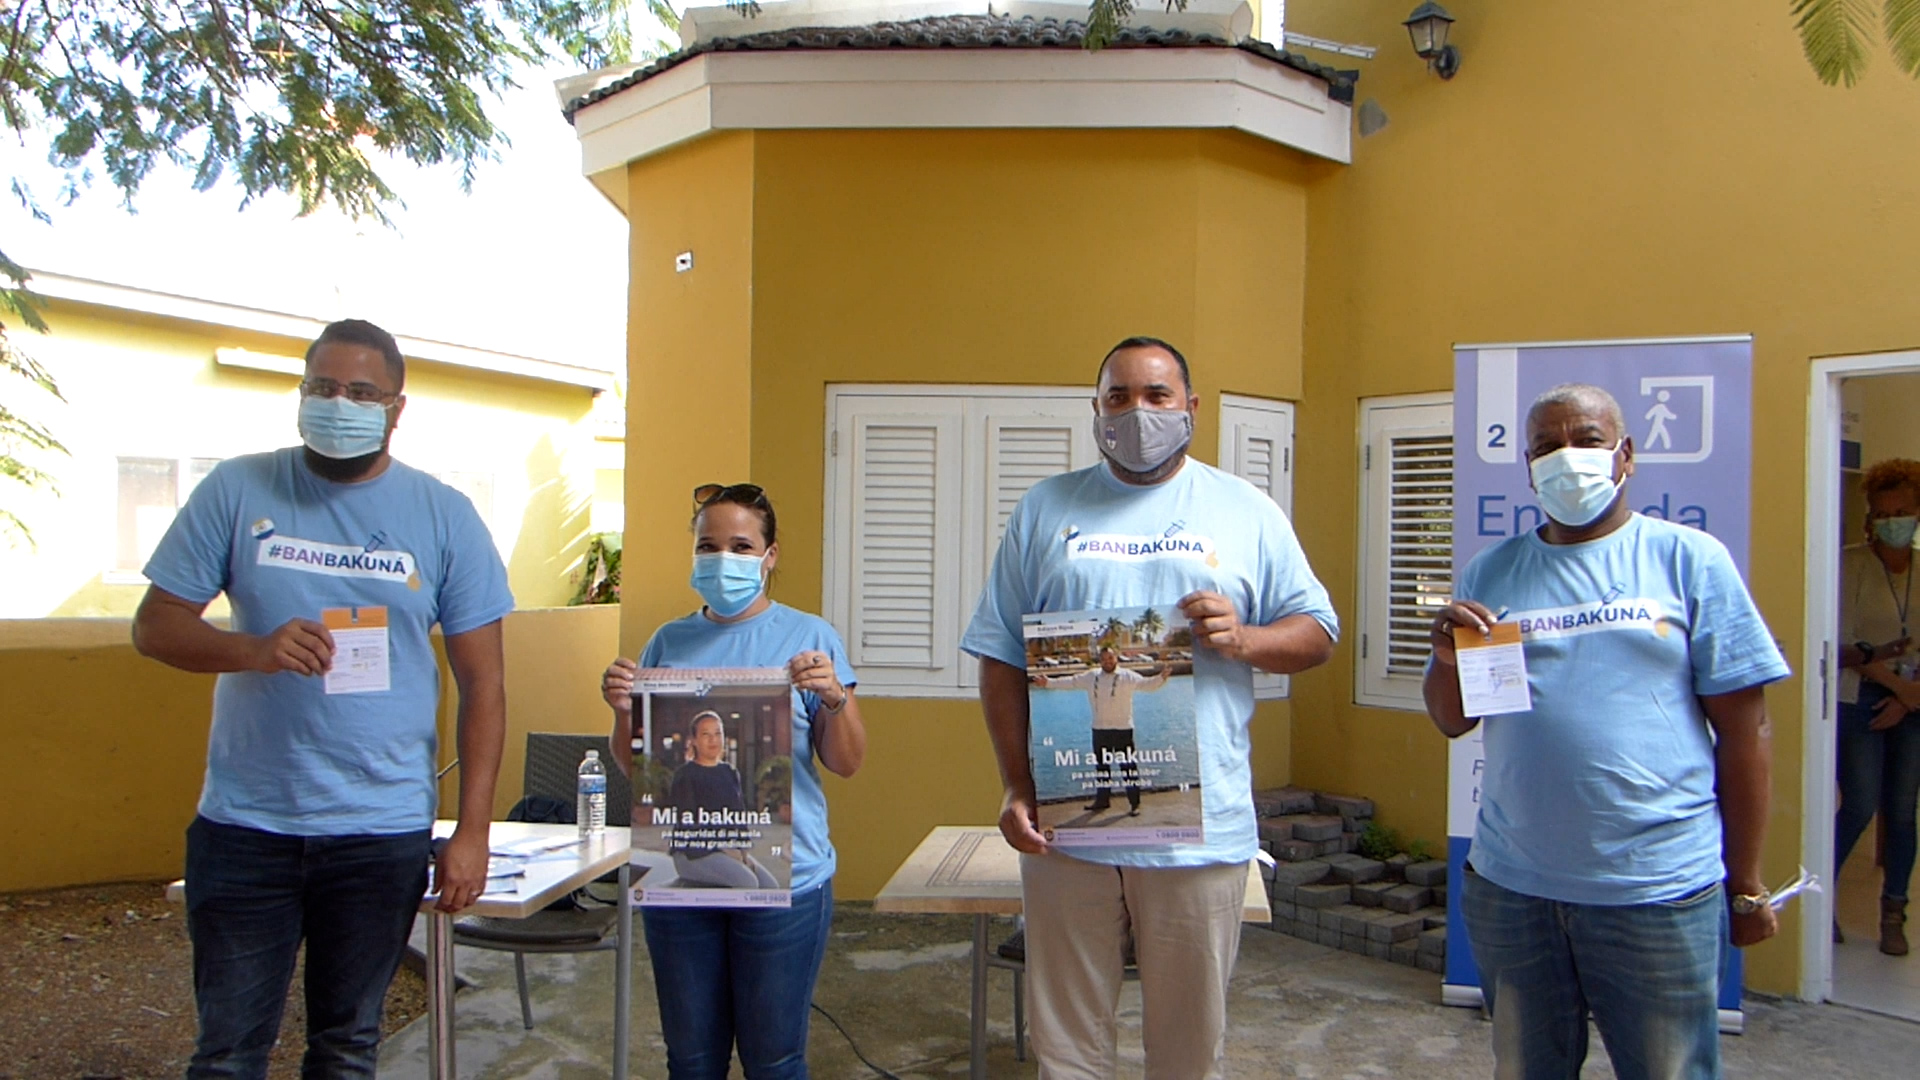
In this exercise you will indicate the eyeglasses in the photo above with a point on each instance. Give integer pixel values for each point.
(363, 392)
(707, 494)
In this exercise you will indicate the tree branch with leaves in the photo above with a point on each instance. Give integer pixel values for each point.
(19, 435)
(305, 97)
(1836, 35)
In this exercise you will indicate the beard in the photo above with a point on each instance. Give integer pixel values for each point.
(1151, 476)
(343, 470)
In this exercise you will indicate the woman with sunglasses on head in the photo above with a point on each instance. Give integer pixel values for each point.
(745, 976)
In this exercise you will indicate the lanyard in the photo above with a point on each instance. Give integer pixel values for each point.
(1900, 606)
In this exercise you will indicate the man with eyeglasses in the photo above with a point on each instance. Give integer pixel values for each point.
(315, 814)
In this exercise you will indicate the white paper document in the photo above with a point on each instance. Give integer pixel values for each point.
(360, 664)
(1493, 671)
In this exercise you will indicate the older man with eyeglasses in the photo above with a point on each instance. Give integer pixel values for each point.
(315, 815)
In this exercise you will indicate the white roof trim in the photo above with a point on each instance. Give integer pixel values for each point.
(1206, 87)
(304, 328)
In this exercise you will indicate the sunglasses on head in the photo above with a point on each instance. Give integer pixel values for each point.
(707, 494)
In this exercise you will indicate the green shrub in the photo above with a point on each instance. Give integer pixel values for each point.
(1378, 842)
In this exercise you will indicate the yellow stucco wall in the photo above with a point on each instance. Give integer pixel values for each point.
(1634, 169)
(928, 257)
(108, 748)
(139, 386)
(687, 362)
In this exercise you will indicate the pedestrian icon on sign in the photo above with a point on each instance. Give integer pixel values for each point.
(1680, 419)
(1658, 435)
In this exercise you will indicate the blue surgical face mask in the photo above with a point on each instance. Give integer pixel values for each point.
(1895, 532)
(729, 583)
(1575, 484)
(337, 428)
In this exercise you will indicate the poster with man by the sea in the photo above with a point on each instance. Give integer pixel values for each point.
(1113, 743)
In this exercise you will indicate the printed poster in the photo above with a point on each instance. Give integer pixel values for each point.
(712, 787)
(1113, 743)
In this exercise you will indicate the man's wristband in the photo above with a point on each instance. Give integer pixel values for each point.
(1867, 651)
(1748, 903)
(833, 709)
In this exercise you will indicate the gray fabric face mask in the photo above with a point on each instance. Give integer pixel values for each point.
(1141, 440)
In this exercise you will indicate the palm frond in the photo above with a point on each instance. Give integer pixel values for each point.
(663, 11)
(1834, 36)
(1104, 20)
(1901, 20)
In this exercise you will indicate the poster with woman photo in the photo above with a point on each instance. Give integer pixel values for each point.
(712, 787)
(1113, 742)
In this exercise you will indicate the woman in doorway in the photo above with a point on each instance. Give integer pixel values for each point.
(744, 977)
(1879, 728)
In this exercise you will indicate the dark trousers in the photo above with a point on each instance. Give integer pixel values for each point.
(1879, 773)
(1114, 741)
(252, 897)
(1648, 974)
(738, 979)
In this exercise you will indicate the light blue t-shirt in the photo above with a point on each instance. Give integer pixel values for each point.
(1085, 540)
(1603, 793)
(282, 543)
(770, 639)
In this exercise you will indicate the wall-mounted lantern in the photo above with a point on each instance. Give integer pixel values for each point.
(1428, 26)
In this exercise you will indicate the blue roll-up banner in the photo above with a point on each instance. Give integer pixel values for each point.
(1688, 405)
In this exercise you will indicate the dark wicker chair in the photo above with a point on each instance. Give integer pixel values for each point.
(553, 764)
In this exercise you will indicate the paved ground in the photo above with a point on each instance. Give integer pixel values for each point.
(899, 985)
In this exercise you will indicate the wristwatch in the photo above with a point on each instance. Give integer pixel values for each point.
(1747, 905)
(1867, 649)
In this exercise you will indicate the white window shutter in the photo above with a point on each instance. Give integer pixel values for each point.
(1020, 453)
(920, 483)
(1021, 441)
(1407, 545)
(1256, 445)
(902, 522)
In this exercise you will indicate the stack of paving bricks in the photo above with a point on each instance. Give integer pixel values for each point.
(1322, 891)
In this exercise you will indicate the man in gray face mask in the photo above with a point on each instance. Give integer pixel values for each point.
(1147, 527)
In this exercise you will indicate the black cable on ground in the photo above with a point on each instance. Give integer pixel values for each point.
(856, 1046)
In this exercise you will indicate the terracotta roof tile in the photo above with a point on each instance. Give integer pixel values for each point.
(966, 32)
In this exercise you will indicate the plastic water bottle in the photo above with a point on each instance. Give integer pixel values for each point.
(591, 808)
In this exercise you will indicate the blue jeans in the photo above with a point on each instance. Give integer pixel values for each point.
(1879, 772)
(745, 975)
(252, 897)
(1648, 973)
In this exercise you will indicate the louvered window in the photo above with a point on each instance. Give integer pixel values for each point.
(1021, 452)
(921, 484)
(1407, 542)
(1256, 444)
(901, 617)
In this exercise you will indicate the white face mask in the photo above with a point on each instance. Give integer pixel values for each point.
(1575, 484)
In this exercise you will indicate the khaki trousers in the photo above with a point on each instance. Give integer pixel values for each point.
(1185, 924)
